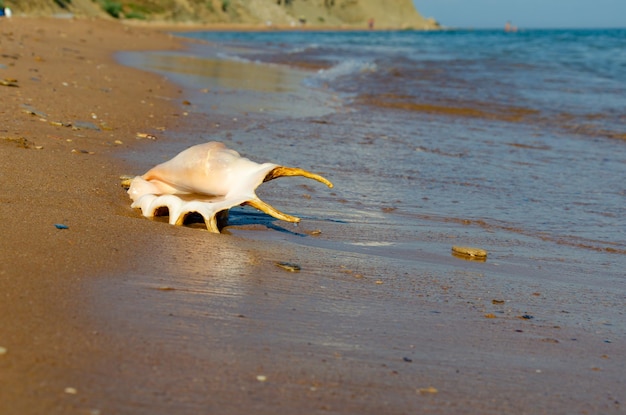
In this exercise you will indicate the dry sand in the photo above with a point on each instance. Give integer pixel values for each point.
(121, 315)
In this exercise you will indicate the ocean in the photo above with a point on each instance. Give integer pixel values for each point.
(514, 143)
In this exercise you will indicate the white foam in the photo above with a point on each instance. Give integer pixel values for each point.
(348, 67)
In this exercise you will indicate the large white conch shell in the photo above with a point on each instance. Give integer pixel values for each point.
(208, 179)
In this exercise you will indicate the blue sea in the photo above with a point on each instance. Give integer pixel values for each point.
(513, 142)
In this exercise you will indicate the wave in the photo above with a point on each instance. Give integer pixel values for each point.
(345, 68)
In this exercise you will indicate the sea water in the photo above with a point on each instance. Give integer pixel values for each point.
(511, 142)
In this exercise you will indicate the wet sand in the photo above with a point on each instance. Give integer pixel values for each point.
(119, 314)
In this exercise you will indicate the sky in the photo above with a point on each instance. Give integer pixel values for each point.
(525, 13)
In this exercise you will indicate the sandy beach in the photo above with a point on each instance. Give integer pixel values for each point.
(105, 312)
(66, 107)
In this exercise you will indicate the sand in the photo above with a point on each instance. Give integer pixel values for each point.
(73, 106)
(117, 314)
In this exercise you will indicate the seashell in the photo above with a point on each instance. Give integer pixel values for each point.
(208, 179)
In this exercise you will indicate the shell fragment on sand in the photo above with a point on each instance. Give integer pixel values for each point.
(469, 253)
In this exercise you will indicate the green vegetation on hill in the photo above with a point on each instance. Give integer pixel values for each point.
(354, 13)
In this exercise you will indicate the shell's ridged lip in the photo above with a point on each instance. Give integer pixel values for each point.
(178, 209)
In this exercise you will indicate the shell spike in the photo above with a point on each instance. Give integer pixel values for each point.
(282, 171)
(270, 210)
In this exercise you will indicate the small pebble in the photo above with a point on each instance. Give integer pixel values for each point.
(467, 252)
(71, 391)
(429, 389)
(9, 82)
(61, 226)
(3, 350)
(75, 151)
(288, 266)
(261, 378)
(146, 135)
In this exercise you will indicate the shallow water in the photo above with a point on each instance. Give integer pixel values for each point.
(511, 142)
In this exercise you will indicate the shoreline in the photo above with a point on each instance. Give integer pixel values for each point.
(119, 314)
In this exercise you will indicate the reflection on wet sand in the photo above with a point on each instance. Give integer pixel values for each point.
(229, 74)
(238, 86)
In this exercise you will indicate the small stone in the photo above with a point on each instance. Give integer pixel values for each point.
(470, 253)
(84, 125)
(3, 350)
(9, 82)
(77, 151)
(71, 391)
(29, 109)
(428, 390)
(288, 266)
(146, 135)
(261, 378)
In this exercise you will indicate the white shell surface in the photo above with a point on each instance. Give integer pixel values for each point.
(209, 169)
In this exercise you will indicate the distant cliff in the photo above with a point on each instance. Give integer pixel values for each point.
(398, 14)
